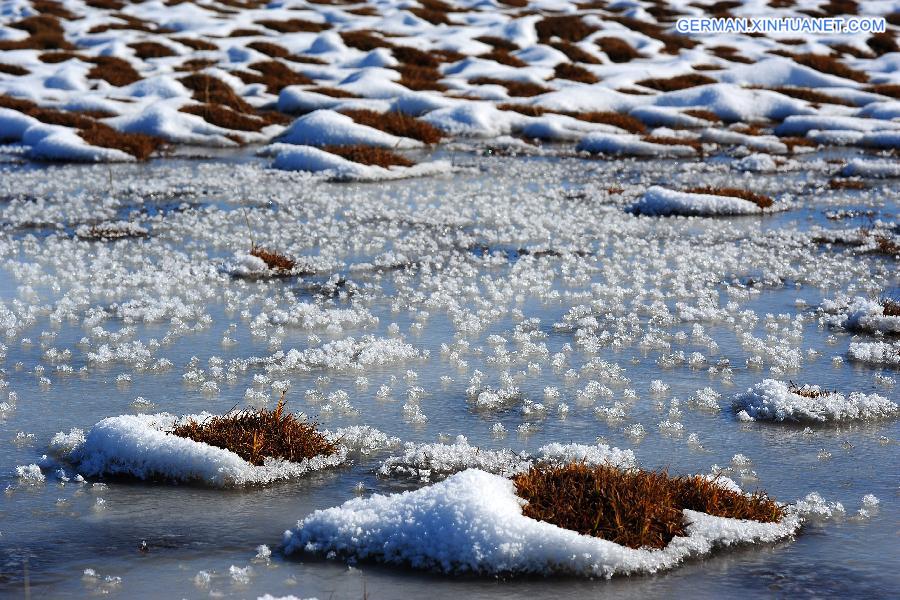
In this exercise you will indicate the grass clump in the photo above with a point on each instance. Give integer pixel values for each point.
(830, 65)
(890, 307)
(521, 89)
(620, 120)
(809, 95)
(115, 71)
(760, 200)
(145, 50)
(274, 74)
(574, 73)
(679, 82)
(222, 116)
(139, 145)
(570, 28)
(398, 124)
(808, 391)
(368, 155)
(274, 260)
(260, 434)
(293, 26)
(617, 49)
(635, 508)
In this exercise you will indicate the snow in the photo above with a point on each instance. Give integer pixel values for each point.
(325, 127)
(289, 157)
(138, 446)
(871, 168)
(659, 201)
(632, 145)
(773, 400)
(859, 314)
(875, 353)
(472, 522)
(428, 462)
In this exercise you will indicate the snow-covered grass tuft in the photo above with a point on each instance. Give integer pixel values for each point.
(473, 522)
(773, 400)
(703, 202)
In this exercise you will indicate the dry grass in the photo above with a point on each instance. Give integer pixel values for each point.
(617, 49)
(211, 90)
(115, 71)
(58, 57)
(679, 82)
(418, 78)
(810, 95)
(224, 117)
(398, 124)
(887, 246)
(139, 145)
(293, 26)
(523, 109)
(635, 508)
(666, 140)
(885, 89)
(145, 50)
(807, 391)
(570, 28)
(433, 11)
(274, 74)
(498, 42)
(890, 307)
(760, 200)
(706, 115)
(333, 92)
(575, 53)
(416, 57)
(260, 434)
(793, 142)
(729, 53)
(195, 44)
(574, 73)
(364, 40)
(44, 33)
(269, 49)
(49, 7)
(620, 120)
(829, 65)
(673, 42)
(13, 69)
(368, 155)
(883, 43)
(275, 261)
(503, 57)
(521, 89)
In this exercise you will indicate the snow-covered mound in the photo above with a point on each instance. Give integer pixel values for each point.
(472, 522)
(328, 128)
(773, 400)
(876, 353)
(859, 314)
(138, 446)
(289, 157)
(659, 201)
(430, 462)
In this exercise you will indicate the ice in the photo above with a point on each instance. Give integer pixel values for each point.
(773, 400)
(472, 522)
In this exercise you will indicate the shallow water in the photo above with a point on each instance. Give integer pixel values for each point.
(492, 207)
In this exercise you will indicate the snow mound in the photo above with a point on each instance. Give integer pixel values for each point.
(859, 314)
(631, 145)
(472, 522)
(328, 128)
(138, 446)
(876, 353)
(773, 400)
(307, 158)
(662, 202)
(429, 462)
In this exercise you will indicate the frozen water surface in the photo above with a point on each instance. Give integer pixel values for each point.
(514, 301)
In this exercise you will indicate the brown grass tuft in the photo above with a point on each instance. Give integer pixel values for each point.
(623, 121)
(145, 50)
(416, 57)
(433, 11)
(829, 65)
(522, 89)
(811, 95)
(224, 117)
(293, 26)
(885, 89)
(890, 307)
(139, 145)
(58, 57)
(575, 53)
(635, 508)
(887, 246)
(617, 49)
(44, 33)
(260, 434)
(369, 155)
(706, 115)
(847, 184)
(807, 391)
(212, 90)
(760, 200)
(13, 69)
(523, 109)
(115, 71)
(397, 124)
(274, 260)
(570, 28)
(269, 49)
(498, 42)
(274, 74)
(503, 57)
(883, 43)
(673, 42)
(574, 73)
(195, 44)
(419, 78)
(679, 82)
(333, 92)
(364, 40)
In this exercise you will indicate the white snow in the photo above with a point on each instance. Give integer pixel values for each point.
(773, 400)
(659, 201)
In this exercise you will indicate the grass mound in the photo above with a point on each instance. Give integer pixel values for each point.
(139, 145)
(368, 155)
(261, 434)
(398, 124)
(634, 508)
(679, 82)
(760, 200)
